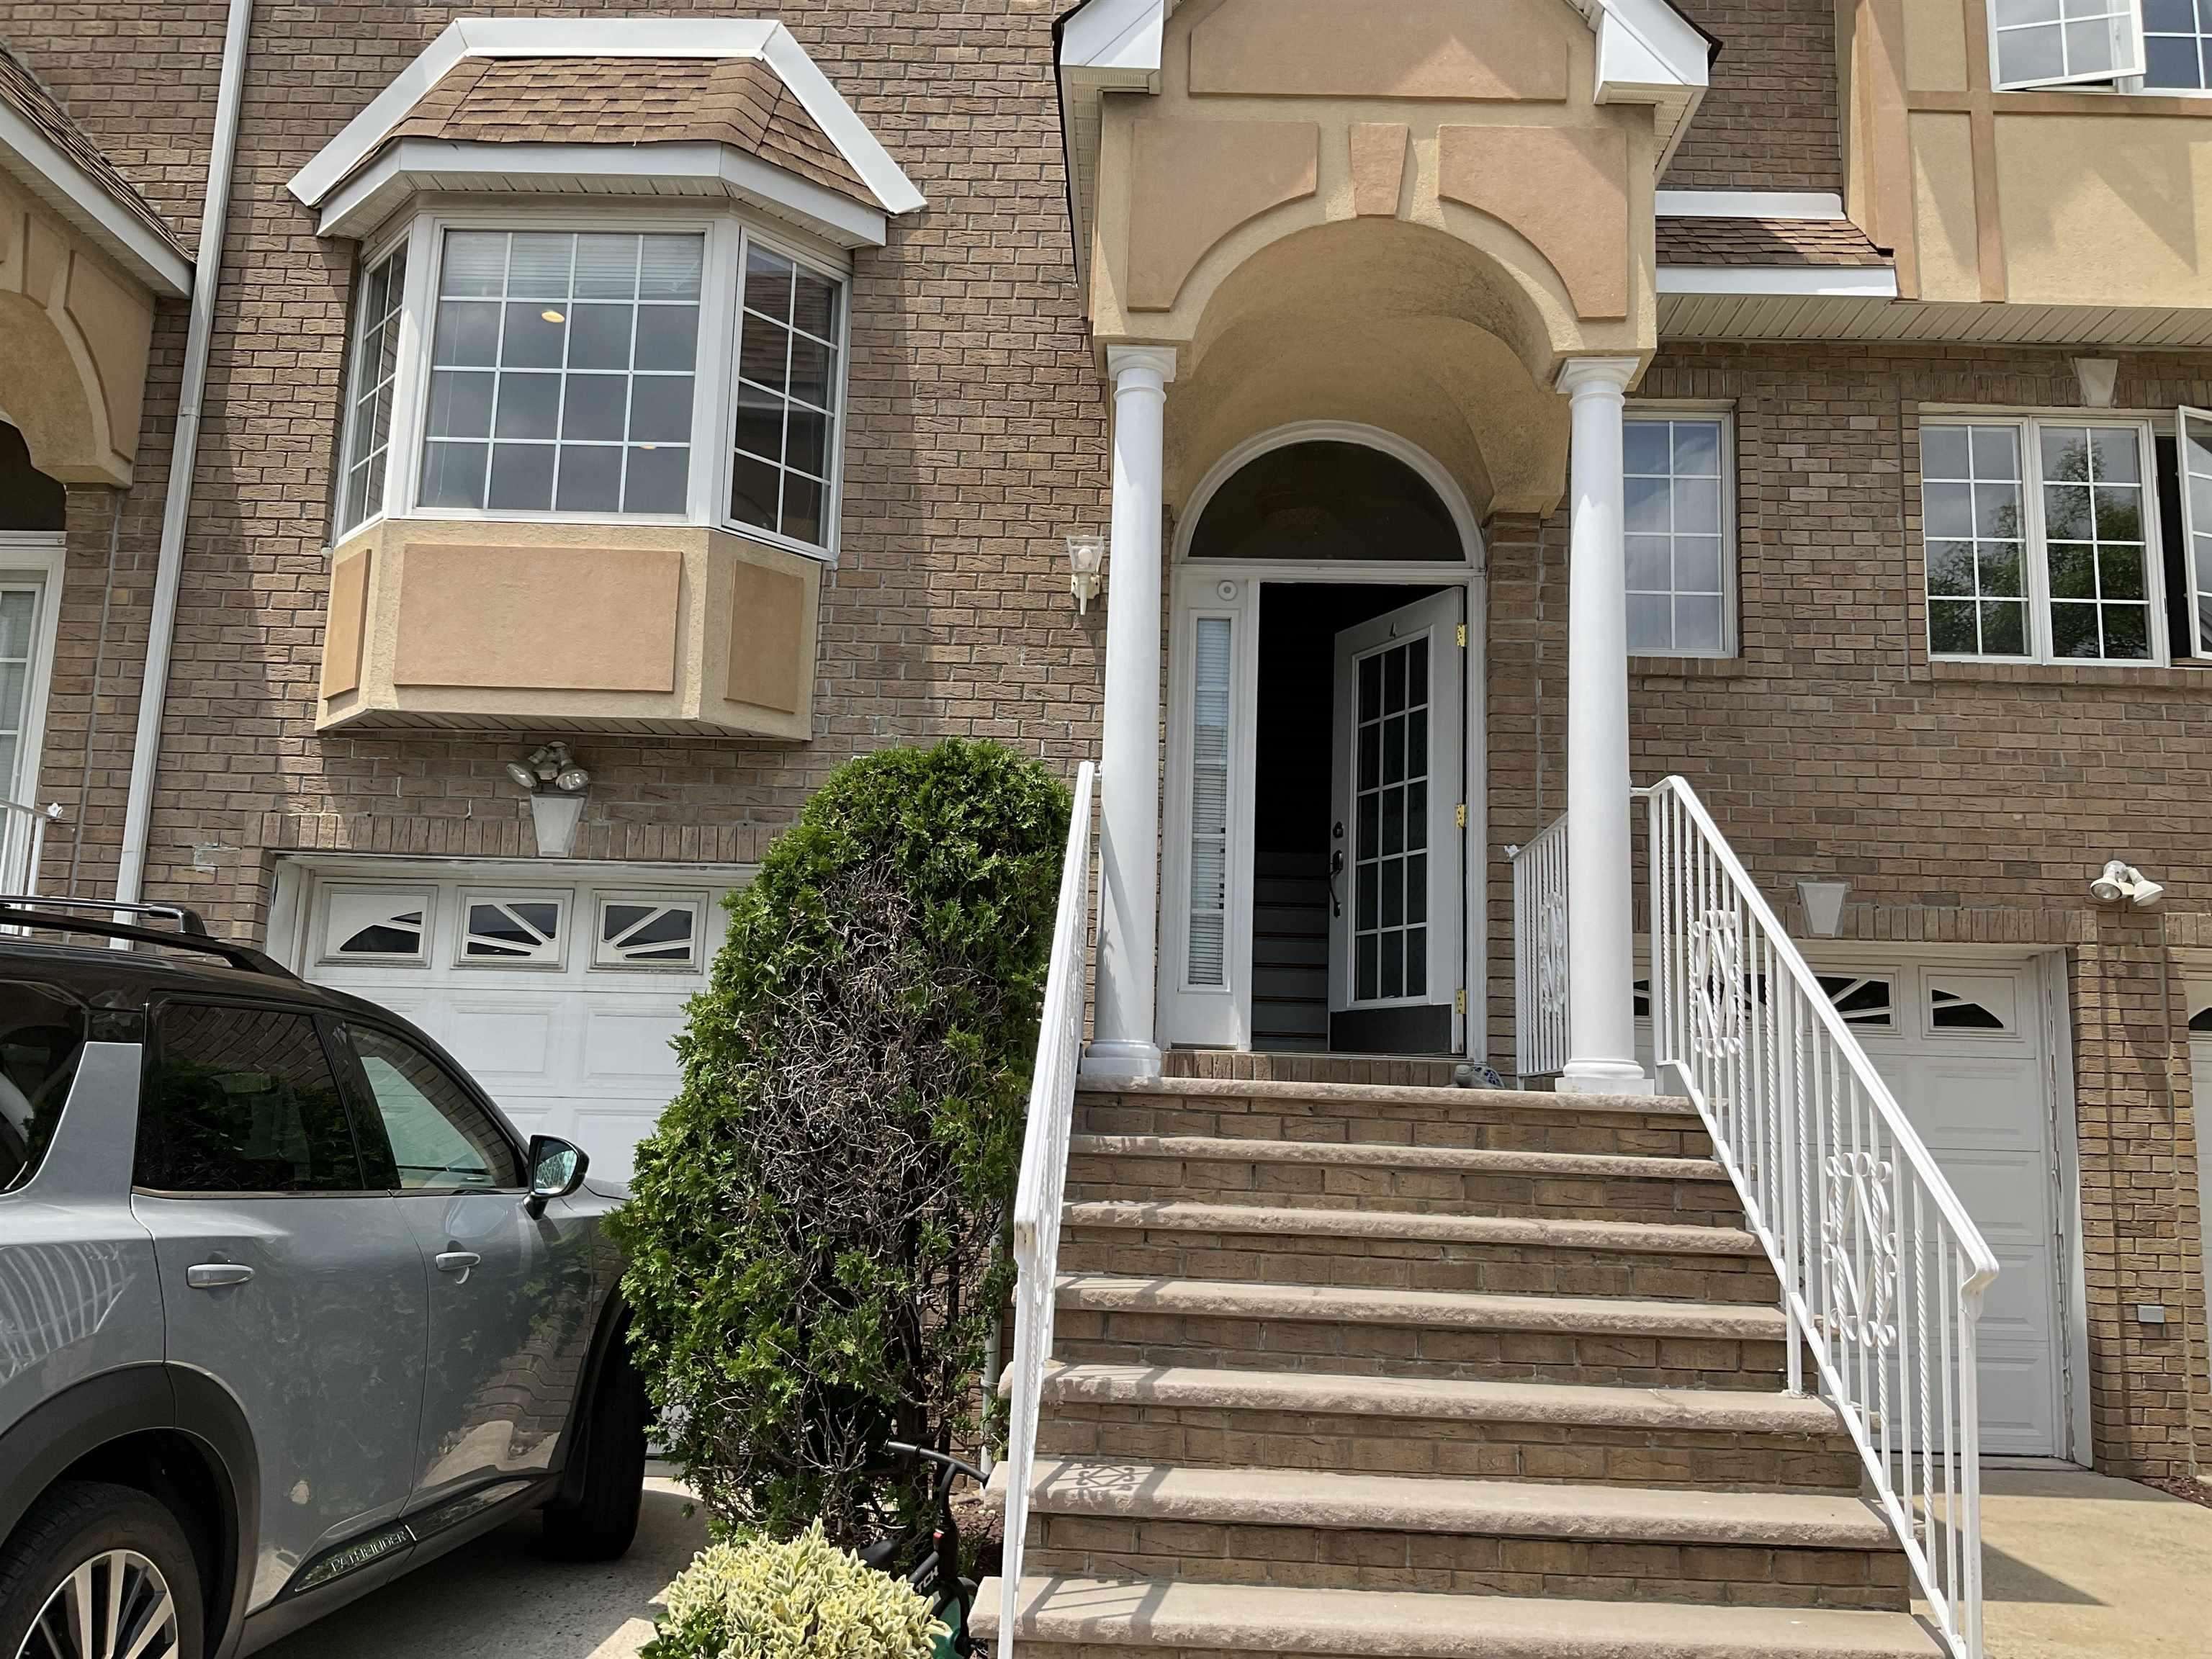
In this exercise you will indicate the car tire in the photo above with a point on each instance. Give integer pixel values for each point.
(598, 1523)
(83, 1527)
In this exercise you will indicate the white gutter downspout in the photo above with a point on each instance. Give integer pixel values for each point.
(184, 452)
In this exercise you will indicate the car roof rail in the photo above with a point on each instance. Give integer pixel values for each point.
(28, 910)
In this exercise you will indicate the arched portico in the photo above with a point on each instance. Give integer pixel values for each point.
(1434, 230)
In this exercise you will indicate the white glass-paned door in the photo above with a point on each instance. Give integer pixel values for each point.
(1213, 685)
(18, 628)
(2194, 447)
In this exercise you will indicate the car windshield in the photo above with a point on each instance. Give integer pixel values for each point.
(41, 1037)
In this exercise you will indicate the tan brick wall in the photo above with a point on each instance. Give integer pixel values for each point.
(1769, 118)
(976, 441)
(1965, 805)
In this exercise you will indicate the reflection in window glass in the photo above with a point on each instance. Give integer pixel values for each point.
(1972, 523)
(1676, 536)
(561, 371)
(2040, 42)
(368, 412)
(41, 1040)
(642, 934)
(787, 396)
(243, 1100)
(2093, 529)
(442, 1139)
(513, 929)
(2178, 44)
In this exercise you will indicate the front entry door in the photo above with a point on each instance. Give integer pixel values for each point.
(1397, 768)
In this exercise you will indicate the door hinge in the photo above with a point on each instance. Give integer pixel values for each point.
(1462, 636)
(1459, 1001)
(1459, 815)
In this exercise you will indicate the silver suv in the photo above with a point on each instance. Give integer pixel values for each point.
(287, 1307)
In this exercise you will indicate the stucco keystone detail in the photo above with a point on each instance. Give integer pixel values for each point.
(1565, 189)
(1378, 165)
(1193, 182)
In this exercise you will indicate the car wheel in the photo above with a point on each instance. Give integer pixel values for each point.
(99, 1572)
(600, 1522)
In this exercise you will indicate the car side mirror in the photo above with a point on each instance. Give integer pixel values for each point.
(556, 1170)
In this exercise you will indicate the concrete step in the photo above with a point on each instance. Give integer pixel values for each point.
(1092, 1519)
(1112, 1320)
(1450, 1180)
(1392, 1113)
(1210, 1418)
(1412, 1251)
(1238, 1619)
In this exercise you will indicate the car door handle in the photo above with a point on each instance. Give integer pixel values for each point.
(214, 1275)
(457, 1261)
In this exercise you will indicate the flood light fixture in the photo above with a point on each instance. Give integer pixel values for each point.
(2120, 882)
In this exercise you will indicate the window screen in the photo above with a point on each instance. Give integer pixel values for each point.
(243, 1100)
(41, 1040)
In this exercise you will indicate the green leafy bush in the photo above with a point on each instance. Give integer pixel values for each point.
(812, 1233)
(802, 1600)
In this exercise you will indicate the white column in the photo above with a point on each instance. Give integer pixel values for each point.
(1601, 891)
(1129, 765)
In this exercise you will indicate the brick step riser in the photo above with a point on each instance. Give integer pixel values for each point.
(1345, 1348)
(1367, 1123)
(1416, 1264)
(1210, 1437)
(1420, 1192)
(1314, 1558)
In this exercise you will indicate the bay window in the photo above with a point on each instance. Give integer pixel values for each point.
(2043, 540)
(535, 366)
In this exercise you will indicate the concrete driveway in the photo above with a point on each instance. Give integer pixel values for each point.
(2078, 1566)
(495, 1599)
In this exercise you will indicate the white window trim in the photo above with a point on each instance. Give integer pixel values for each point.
(2034, 549)
(1691, 410)
(2117, 76)
(714, 410)
(693, 900)
(564, 927)
(40, 556)
(371, 254)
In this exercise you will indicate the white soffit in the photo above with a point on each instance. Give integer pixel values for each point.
(1858, 282)
(765, 41)
(1748, 205)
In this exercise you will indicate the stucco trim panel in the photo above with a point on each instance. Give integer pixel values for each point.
(769, 665)
(341, 634)
(1378, 166)
(552, 618)
(1469, 49)
(1564, 189)
(1193, 182)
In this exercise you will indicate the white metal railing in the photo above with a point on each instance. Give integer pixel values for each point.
(1044, 1183)
(23, 839)
(1539, 951)
(1882, 1270)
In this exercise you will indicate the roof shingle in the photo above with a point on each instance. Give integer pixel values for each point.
(631, 101)
(24, 93)
(1698, 240)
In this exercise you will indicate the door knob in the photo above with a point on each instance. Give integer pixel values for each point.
(214, 1275)
(1336, 869)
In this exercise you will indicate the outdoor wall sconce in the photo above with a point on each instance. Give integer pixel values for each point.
(1824, 905)
(557, 786)
(1086, 557)
(2120, 880)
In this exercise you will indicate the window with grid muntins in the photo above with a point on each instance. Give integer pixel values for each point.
(19, 620)
(561, 372)
(2041, 42)
(787, 386)
(1390, 813)
(375, 359)
(2178, 44)
(2038, 540)
(1676, 536)
(1973, 522)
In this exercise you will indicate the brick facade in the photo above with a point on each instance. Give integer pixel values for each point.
(1965, 805)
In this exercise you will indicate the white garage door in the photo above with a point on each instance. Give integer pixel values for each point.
(560, 995)
(1962, 1047)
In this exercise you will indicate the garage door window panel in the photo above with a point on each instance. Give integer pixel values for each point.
(515, 930)
(1866, 1001)
(647, 932)
(378, 925)
(442, 1139)
(243, 1100)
